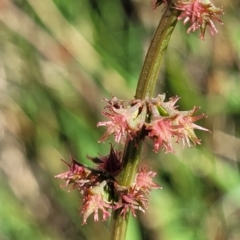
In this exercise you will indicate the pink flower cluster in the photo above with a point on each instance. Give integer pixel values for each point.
(157, 120)
(100, 188)
(200, 14)
(124, 118)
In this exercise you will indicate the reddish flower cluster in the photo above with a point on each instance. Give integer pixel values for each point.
(158, 120)
(136, 197)
(125, 117)
(100, 188)
(200, 14)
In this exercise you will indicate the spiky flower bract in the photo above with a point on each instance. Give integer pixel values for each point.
(95, 200)
(111, 163)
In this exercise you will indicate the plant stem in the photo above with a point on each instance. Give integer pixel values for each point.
(131, 157)
(145, 88)
(151, 66)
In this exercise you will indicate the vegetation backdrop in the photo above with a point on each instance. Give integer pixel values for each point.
(58, 60)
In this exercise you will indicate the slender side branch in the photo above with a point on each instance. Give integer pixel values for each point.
(145, 87)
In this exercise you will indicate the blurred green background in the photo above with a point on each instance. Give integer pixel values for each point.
(58, 60)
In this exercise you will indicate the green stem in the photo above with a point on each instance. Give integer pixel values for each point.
(131, 157)
(151, 66)
(145, 87)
